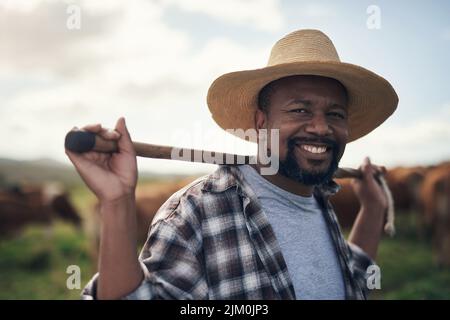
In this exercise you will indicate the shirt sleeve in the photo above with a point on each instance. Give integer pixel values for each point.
(171, 261)
(359, 264)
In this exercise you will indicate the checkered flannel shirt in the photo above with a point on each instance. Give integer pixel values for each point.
(212, 240)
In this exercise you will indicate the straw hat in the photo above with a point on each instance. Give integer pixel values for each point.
(233, 97)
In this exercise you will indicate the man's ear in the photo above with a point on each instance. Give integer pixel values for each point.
(260, 119)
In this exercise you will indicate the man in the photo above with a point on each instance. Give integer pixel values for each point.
(237, 234)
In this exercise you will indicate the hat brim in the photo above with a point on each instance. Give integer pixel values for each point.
(233, 97)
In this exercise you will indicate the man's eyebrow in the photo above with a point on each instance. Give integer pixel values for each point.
(298, 101)
(337, 106)
(308, 103)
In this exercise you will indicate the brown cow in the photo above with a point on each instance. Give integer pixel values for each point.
(149, 198)
(403, 182)
(22, 205)
(435, 194)
(345, 204)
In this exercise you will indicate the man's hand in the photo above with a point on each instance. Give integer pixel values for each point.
(368, 226)
(367, 189)
(113, 179)
(109, 176)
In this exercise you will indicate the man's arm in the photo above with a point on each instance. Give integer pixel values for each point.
(368, 226)
(170, 265)
(113, 178)
(119, 270)
(367, 230)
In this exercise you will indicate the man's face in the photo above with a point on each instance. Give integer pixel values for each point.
(311, 115)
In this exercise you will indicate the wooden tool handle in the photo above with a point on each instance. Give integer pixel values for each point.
(83, 141)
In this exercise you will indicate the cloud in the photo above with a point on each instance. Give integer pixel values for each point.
(127, 60)
(162, 87)
(124, 61)
(421, 141)
(126, 43)
(35, 37)
(263, 15)
(317, 10)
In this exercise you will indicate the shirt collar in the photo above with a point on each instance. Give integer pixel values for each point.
(227, 176)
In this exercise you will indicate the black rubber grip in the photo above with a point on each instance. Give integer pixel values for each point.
(79, 141)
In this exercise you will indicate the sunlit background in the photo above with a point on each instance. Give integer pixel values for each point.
(152, 61)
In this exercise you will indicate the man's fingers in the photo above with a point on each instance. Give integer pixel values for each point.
(368, 170)
(105, 133)
(77, 159)
(89, 162)
(379, 169)
(109, 134)
(96, 127)
(366, 166)
(125, 143)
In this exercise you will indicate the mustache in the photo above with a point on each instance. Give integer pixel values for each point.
(304, 140)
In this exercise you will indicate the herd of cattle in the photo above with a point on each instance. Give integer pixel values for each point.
(424, 191)
(416, 190)
(21, 205)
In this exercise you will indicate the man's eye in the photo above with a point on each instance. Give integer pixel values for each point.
(299, 110)
(337, 115)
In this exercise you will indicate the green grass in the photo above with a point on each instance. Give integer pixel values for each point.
(407, 265)
(408, 271)
(33, 265)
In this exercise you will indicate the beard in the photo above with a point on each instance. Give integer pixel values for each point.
(291, 169)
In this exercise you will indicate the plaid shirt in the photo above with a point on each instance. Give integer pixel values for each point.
(212, 240)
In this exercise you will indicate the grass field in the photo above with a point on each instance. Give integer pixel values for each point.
(33, 265)
(407, 266)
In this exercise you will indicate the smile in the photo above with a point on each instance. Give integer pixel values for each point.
(314, 149)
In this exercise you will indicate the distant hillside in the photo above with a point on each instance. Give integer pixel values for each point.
(47, 170)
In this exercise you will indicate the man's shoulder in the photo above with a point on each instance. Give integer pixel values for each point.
(206, 191)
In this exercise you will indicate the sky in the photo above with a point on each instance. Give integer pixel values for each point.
(72, 63)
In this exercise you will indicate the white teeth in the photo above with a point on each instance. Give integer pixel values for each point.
(314, 149)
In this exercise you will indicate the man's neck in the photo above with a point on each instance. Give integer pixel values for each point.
(286, 184)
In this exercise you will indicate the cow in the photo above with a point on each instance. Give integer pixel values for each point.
(404, 184)
(149, 198)
(435, 194)
(23, 205)
(345, 203)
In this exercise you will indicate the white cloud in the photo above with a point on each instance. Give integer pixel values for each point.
(264, 15)
(422, 141)
(20, 5)
(126, 60)
(131, 63)
(317, 10)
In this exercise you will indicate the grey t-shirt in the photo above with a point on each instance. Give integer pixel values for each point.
(304, 238)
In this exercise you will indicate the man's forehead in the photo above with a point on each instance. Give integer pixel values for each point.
(308, 81)
(311, 101)
(310, 88)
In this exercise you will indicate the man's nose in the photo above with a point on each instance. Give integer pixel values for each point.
(319, 126)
